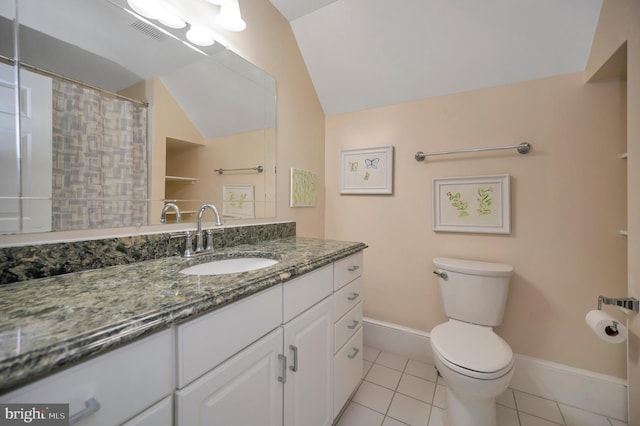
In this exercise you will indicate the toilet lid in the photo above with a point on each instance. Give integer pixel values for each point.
(471, 347)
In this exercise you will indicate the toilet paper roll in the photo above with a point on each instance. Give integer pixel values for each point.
(606, 327)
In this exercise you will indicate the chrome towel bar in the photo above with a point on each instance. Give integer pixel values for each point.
(258, 169)
(522, 148)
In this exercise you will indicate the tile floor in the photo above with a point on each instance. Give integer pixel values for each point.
(397, 391)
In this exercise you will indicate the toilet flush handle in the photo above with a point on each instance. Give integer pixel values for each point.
(442, 275)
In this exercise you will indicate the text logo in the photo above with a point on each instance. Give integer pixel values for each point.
(34, 414)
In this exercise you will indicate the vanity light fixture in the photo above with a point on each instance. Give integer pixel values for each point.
(172, 21)
(160, 11)
(147, 8)
(200, 36)
(229, 18)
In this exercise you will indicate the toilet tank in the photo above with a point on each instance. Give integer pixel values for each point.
(473, 291)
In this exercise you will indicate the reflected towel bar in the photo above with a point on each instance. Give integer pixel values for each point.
(258, 169)
(523, 148)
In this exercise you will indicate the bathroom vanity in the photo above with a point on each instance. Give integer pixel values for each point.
(143, 344)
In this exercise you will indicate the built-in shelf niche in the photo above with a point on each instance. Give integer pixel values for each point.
(181, 160)
(181, 176)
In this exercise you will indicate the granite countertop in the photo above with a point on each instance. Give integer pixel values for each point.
(49, 323)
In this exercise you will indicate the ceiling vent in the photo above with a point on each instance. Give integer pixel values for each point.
(149, 30)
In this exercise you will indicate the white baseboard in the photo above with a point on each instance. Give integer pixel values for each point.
(598, 393)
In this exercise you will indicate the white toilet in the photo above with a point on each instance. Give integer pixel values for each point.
(476, 363)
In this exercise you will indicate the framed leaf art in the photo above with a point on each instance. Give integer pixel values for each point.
(472, 204)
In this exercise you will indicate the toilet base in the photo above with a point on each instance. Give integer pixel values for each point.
(469, 411)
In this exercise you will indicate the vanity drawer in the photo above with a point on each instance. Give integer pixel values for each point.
(347, 326)
(347, 270)
(205, 342)
(347, 371)
(161, 414)
(124, 382)
(303, 292)
(347, 297)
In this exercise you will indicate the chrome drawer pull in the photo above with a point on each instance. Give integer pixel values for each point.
(294, 367)
(90, 406)
(353, 325)
(283, 378)
(353, 268)
(355, 352)
(353, 296)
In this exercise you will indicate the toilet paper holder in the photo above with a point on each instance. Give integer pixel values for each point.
(630, 303)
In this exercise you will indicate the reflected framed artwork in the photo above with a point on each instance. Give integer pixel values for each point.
(238, 201)
(366, 171)
(472, 204)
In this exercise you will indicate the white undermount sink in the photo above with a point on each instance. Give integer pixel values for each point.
(229, 266)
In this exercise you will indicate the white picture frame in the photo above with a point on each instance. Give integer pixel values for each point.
(366, 171)
(475, 204)
(238, 201)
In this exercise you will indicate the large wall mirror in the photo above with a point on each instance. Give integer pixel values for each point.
(119, 116)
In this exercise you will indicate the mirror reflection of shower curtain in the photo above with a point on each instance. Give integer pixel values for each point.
(99, 160)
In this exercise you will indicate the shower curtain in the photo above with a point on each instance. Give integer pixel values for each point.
(99, 160)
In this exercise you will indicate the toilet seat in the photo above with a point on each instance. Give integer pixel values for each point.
(472, 350)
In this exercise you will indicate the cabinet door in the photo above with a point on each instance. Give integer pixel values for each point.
(308, 343)
(242, 391)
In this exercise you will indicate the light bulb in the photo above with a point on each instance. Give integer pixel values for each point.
(229, 16)
(147, 8)
(154, 9)
(200, 36)
(172, 21)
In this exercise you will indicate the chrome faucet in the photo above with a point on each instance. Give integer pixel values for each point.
(209, 247)
(163, 215)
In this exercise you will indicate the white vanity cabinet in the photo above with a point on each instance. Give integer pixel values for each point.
(244, 390)
(207, 341)
(123, 383)
(308, 345)
(290, 355)
(348, 346)
(160, 414)
(284, 378)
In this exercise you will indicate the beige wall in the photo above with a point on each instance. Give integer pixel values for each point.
(268, 42)
(568, 204)
(620, 22)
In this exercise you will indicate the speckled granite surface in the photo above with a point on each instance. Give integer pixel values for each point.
(51, 322)
(46, 260)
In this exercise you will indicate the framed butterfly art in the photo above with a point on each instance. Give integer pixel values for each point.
(366, 171)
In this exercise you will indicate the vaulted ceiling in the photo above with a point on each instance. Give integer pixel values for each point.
(368, 53)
